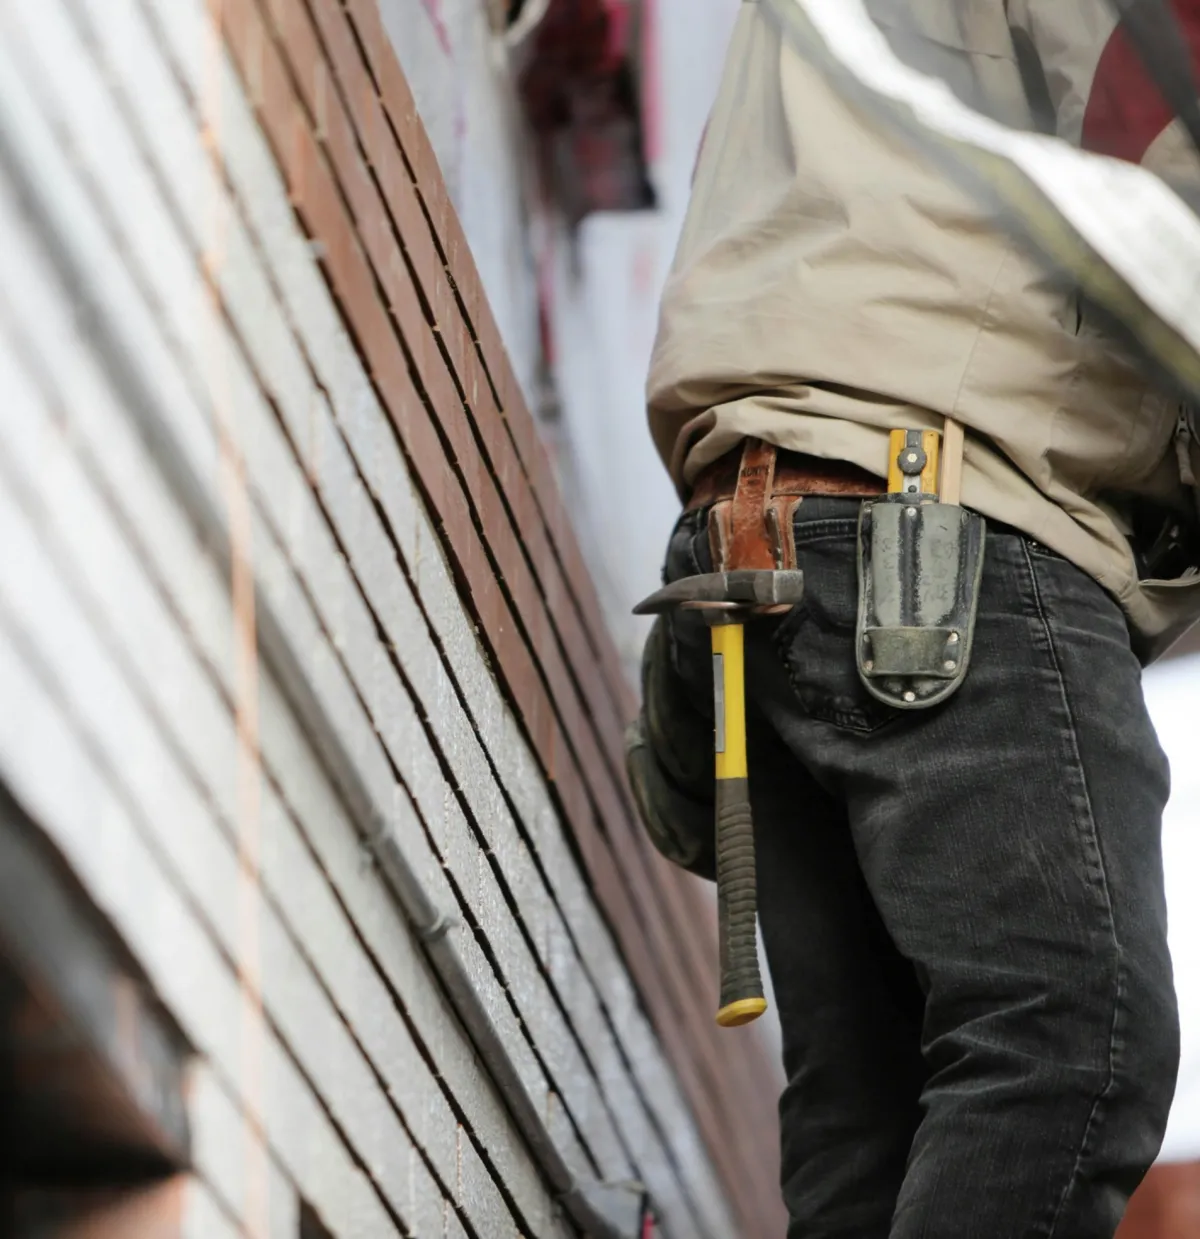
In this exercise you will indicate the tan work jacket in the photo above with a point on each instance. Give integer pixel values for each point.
(830, 284)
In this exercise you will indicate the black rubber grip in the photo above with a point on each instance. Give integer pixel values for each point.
(737, 895)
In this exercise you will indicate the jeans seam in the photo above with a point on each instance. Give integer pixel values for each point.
(1095, 1115)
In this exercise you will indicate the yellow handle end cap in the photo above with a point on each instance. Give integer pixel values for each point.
(741, 1012)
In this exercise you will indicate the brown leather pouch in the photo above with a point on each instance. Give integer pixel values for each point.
(754, 529)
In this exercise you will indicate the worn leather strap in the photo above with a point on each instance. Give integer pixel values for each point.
(753, 492)
(795, 474)
(749, 539)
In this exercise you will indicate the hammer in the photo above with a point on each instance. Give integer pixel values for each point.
(726, 600)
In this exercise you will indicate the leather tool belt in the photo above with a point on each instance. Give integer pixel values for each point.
(920, 559)
(753, 492)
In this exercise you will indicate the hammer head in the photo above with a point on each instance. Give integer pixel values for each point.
(743, 588)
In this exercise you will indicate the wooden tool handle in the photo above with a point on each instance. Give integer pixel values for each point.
(953, 445)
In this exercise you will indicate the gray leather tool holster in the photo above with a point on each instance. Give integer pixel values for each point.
(919, 567)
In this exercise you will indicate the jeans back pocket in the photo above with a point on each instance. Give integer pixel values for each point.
(815, 642)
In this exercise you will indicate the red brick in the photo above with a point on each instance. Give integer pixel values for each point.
(398, 101)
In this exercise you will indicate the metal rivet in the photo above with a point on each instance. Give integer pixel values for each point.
(868, 665)
(912, 458)
(949, 664)
(952, 639)
(910, 511)
(910, 696)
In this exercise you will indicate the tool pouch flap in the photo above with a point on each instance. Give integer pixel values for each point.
(919, 567)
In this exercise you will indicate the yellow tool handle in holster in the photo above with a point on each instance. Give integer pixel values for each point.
(922, 462)
(742, 998)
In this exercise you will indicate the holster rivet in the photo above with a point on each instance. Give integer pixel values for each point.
(949, 664)
(952, 639)
(869, 665)
(910, 695)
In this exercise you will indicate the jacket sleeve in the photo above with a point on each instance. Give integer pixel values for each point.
(1097, 91)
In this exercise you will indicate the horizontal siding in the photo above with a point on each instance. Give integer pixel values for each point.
(187, 785)
(143, 714)
(653, 909)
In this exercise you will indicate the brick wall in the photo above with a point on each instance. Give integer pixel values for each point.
(292, 616)
(467, 100)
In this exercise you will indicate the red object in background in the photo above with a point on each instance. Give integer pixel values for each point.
(1166, 1206)
(1126, 111)
(581, 85)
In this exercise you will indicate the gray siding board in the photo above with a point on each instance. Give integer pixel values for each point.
(383, 467)
(73, 802)
(96, 694)
(153, 688)
(329, 581)
(163, 665)
(174, 806)
(221, 1144)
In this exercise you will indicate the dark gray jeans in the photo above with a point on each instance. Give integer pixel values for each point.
(962, 907)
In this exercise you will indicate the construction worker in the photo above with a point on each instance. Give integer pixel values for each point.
(961, 898)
